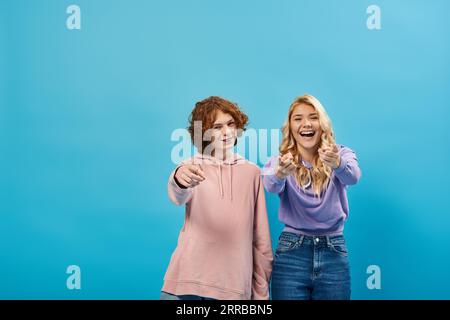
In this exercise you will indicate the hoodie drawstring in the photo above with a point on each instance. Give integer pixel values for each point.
(231, 182)
(221, 181)
(220, 178)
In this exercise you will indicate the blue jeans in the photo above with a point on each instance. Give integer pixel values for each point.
(311, 268)
(169, 296)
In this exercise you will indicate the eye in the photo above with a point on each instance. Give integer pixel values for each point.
(217, 127)
(231, 124)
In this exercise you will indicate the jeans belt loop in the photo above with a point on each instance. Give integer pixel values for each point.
(300, 241)
(328, 241)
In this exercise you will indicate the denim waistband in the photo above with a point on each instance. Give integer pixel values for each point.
(290, 229)
(311, 240)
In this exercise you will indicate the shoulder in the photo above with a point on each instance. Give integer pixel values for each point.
(251, 167)
(342, 149)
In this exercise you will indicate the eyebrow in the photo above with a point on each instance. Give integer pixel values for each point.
(300, 114)
(219, 123)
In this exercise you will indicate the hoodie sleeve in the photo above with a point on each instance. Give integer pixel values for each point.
(271, 182)
(262, 247)
(348, 171)
(178, 195)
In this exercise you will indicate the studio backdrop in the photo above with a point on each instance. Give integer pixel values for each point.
(94, 103)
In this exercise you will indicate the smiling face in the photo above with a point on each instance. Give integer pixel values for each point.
(305, 127)
(214, 124)
(224, 133)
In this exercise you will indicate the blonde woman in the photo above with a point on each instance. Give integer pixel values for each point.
(311, 176)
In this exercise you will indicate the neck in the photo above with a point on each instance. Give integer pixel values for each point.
(307, 154)
(222, 154)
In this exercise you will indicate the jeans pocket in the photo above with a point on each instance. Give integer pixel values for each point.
(285, 245)
(339, 247)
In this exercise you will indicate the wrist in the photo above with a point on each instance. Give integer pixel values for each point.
(279, 175)
(176, 180)
(338, 164)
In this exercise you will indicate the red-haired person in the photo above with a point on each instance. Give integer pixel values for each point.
(224, 248)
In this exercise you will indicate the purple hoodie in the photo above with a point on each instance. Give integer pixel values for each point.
(304, 213)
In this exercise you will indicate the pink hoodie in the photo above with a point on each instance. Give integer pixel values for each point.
(224, 248)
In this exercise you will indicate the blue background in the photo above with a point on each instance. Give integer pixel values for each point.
(86, 118)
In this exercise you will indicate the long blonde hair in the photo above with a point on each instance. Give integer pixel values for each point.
(320, 173)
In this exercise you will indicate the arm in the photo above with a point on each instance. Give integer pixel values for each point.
(177, 193)
(272, 183)
(262, 248)
(348, 171)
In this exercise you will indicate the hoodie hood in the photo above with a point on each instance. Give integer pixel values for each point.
(234, 159)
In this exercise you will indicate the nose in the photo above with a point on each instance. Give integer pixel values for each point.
(307, 123)
(226, 130)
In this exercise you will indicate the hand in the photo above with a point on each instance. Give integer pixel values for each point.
(286, 166)
(330, 156)
(189, 175)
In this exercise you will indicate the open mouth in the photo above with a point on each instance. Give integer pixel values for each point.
(307, 133)
(227, 140)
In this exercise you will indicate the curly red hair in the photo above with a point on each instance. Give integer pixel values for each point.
(205, 111)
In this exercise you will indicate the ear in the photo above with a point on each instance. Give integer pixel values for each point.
(335, 148)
